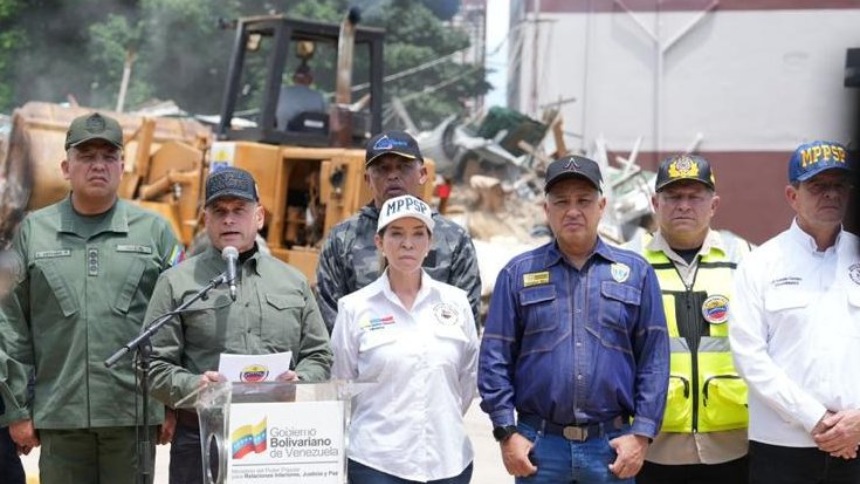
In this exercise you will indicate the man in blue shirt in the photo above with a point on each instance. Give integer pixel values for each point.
(576, 345)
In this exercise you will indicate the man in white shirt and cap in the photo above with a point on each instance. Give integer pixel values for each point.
(796, 331)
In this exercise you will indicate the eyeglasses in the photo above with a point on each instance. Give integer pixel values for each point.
(820, 188)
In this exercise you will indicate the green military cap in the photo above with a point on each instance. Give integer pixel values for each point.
(91, 127)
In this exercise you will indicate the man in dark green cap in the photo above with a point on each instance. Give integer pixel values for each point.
(269, 309)
(89, 265)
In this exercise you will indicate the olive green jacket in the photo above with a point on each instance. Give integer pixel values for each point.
(81, 295)
(275, 311)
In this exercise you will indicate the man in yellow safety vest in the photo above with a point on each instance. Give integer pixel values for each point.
(704, 434)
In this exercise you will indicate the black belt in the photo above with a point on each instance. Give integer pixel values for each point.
(579, 433)
(187, 418)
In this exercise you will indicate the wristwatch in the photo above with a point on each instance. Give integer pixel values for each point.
(502, 434)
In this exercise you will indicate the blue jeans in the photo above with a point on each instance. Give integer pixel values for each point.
(361, 474)
(561, 461)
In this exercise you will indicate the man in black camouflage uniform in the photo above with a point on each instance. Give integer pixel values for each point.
(349, 260)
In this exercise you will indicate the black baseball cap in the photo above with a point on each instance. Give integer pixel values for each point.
(230, 182)
(398, 143)
(684, 167)
(573, 166)
(91, 127)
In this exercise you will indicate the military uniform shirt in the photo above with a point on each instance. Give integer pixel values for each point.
(274, 311)
(349, 260)
(82, 295)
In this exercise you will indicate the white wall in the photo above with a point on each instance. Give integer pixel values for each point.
(747, 80)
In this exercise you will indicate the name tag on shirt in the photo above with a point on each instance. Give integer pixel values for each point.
(50, 254)
(139, 249)
(535, 279)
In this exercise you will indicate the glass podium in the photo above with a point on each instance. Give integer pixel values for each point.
(274, 432)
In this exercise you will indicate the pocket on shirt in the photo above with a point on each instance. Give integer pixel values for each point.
(541, 319)
(451, 333)
(617, 302)
(372, 340)
(62, 292)
(785, 300)
(282, 315)
(129, 287)
(852, 325)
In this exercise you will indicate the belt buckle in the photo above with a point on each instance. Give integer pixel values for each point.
(579, 434)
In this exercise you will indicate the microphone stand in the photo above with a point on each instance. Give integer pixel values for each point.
(144, 350)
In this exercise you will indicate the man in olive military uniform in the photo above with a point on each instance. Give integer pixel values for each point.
(89, 264)
(273, 311)
(349, 259)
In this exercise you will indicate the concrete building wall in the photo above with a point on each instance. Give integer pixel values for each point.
(751, 84)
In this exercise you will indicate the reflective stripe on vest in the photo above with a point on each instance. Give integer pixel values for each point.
(705, 392)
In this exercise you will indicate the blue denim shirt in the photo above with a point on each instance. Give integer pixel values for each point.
(576, 346)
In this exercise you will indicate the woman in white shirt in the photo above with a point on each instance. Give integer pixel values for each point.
(416, 338)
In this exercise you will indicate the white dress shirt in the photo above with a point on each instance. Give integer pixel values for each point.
(796, 334)
(410, 424)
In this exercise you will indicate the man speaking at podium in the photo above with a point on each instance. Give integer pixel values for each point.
(269, 309)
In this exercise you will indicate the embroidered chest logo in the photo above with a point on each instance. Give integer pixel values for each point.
(715, 309)
(446, 314)
(373, 324)
(620, 272)
(854, 273)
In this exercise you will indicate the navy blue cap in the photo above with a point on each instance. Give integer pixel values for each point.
(573, 166)
(810, 159)
(399, 143)
(230, 182)
(684, 167)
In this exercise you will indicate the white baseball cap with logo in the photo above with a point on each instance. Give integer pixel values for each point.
(402, 207)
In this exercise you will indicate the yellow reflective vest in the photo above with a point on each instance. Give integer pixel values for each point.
(705, 392)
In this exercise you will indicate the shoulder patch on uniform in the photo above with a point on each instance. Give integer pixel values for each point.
(177, 255)
(50, 254)
(715, 309)
(620, 271)
(139, 249)
(536, 278)
(446, 314)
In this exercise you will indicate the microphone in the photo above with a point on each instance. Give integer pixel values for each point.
(231, 255)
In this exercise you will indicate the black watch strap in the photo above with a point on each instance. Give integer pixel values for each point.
(502, 434)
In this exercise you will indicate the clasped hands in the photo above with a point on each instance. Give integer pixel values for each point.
(838, 433)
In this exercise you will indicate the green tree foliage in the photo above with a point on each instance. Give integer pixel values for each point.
(11, 37)
(54, 49)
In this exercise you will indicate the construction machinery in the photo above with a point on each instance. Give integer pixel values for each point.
(309, 171)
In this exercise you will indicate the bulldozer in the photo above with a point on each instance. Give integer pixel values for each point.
(309, 169)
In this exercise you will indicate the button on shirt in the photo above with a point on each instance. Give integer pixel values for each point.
(796, 334)
(576, 346)
(424, 360)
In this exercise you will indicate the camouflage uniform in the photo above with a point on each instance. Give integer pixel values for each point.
(349, 260)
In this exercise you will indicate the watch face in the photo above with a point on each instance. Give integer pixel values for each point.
(502, 433)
